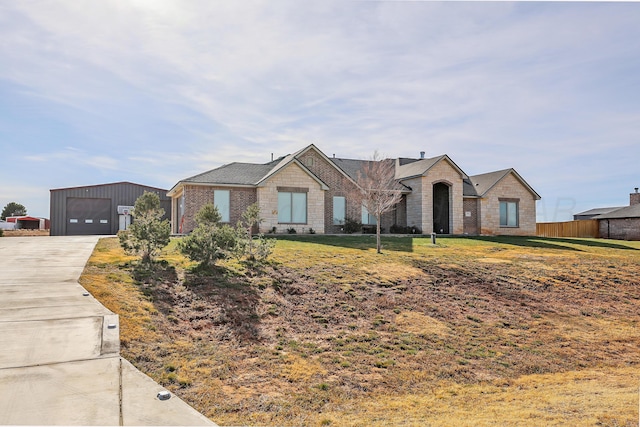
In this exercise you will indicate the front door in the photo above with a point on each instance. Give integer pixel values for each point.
(124, 221)
(441, 208)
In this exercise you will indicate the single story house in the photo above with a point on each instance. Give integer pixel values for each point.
(308, 190)
(622, 223)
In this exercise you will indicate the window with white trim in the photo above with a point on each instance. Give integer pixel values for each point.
(292, 207)
(339, 210)
(221, 202)
(509, 213)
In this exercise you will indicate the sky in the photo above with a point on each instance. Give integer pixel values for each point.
(153, 92)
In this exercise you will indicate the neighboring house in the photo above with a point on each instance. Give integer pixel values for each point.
(622, 223)
(308, 190)
(592, 213)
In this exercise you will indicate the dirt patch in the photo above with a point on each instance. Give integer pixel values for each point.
(320, 328)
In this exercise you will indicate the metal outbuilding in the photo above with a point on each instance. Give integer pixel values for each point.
(27, 222)
(98, 209)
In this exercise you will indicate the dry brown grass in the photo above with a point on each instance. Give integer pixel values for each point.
(467, 332)
(25, 233)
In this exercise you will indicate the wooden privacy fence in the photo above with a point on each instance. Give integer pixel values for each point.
(579, 228)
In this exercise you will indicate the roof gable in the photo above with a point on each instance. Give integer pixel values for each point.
(480, 185)
(286, 162)
(245, 174)
(339, 164)
(405, 168)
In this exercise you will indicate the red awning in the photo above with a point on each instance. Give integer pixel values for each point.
(22, 218)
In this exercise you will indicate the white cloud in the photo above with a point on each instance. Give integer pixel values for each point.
(165, 90)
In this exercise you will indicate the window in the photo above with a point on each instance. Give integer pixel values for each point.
(508, 213)
(367, 218)
(339, 210)
(221, 201)
(292, 207)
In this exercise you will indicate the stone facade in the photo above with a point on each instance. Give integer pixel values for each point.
(512, 189)
(442, 172)
(292, 178)
(414, 204)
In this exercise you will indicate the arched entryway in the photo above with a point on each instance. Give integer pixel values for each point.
(441, 208)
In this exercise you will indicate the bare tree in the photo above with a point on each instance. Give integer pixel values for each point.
(377, 189)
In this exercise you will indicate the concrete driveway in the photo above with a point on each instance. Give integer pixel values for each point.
(59, 347)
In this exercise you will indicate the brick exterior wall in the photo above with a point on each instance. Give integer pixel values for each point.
(397, 216)
(338, 185)
(508, 188)
(196, 196)
(620, 228)
(471, 226)
(292, 176)
(445, 173)
(239, 200)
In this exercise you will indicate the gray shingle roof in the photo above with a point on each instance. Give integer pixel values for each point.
(233, 173)
(416, 168)
(468, 189)
(599, 211)
(632, 211)
(351, 167)
(480, 184)
(253, 174)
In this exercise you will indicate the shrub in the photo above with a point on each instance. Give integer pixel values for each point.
(209, 241)
(400, 229)
(254, 248)
(148, 233)
(263, 248)
(352, 226)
